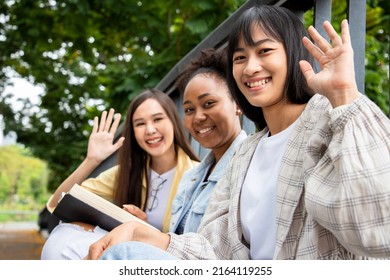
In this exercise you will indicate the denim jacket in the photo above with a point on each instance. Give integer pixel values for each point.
(193, 193)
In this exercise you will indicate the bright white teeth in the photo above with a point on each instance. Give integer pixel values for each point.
(154, 141)
(204, 130)
(258, 83)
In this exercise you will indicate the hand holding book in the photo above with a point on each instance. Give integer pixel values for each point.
(81, 205)
(136, 211)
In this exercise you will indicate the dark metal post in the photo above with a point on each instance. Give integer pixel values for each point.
(357, 26)
(322, 12)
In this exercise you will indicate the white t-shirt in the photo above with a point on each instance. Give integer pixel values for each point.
(258, 197)
(158, 197)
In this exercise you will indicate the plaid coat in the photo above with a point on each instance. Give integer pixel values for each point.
(333, 197)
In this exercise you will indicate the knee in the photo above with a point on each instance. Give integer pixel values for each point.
(55, 245)
(68, 242)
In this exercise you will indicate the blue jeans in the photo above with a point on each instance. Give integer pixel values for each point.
(136, 251)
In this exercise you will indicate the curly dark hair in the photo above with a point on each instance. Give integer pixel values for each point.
(210, 61)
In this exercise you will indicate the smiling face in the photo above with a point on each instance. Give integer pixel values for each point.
(211, 115)
(260, 70)
(153, 129)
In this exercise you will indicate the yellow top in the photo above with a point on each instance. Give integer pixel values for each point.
(103, 184)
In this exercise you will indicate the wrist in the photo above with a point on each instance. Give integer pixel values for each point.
(344, 98)
(148, 235)
(92, 162)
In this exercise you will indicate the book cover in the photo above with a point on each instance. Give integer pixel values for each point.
(81, 205)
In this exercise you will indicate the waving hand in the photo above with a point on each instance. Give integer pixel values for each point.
(336, 79)
(100, 145)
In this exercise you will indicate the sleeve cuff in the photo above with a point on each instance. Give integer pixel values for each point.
(337, 112)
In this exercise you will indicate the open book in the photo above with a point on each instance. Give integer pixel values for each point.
(81, 205)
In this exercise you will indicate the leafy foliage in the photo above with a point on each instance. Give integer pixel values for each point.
(89, 56)
(92, 55)
(23, 179)
(377, 47)
(377, 53)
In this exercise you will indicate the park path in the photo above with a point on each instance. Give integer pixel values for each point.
(20, 241)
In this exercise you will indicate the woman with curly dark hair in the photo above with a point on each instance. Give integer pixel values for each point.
(214, 120)
(313, 182)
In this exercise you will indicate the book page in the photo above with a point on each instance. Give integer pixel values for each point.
(103, 205)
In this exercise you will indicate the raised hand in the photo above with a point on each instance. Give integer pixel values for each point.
(100, 144)
(336, 79)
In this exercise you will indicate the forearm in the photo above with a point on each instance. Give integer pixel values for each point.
(151, 236)
(78, 176)
(352, 192)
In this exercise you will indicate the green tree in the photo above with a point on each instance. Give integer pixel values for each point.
(91, 55)
(23, 179)
(377, 47)
(377, 53)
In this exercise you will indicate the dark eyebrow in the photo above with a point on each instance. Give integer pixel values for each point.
(256, 44)
(199, 98)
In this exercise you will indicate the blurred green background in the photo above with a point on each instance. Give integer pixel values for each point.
(86, 56)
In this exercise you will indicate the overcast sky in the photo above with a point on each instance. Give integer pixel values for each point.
(23, 89)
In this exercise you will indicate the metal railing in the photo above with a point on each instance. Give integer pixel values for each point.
(356, 14)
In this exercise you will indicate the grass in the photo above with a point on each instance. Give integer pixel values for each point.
(18, 216)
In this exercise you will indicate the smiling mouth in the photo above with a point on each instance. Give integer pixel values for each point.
(258, 83)
(205, 130)
(154, 141)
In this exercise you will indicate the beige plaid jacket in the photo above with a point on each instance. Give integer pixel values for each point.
(333, 198)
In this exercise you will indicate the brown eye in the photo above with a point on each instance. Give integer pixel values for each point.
(139, 124)
(208, 104)
(263, 51)
(239, 57)
(188, 111)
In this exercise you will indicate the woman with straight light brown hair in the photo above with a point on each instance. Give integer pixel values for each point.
(154, 153)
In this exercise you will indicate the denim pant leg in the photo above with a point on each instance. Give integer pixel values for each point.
(136, 251)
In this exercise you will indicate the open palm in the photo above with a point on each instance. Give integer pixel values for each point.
(100, 144)
(336, 79)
